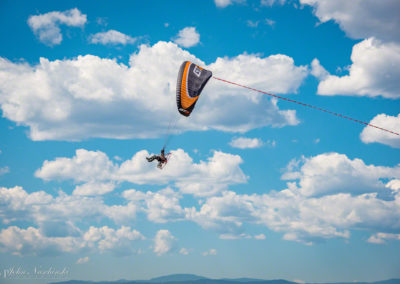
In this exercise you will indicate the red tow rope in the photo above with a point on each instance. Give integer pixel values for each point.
(307, 105)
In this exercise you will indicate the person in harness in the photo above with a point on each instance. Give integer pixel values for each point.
(162, 159)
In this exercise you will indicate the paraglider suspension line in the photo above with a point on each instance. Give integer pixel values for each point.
(171, 125)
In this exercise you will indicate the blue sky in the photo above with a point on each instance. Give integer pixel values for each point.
(255, 187)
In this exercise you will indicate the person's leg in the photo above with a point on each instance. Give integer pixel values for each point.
(151, 159)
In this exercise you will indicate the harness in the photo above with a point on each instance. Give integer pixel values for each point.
(162, 164)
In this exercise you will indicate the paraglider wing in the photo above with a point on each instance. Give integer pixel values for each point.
(191, 81)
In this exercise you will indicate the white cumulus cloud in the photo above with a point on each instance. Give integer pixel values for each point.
(82, 260)
(272, 2)
(111, 37)
(270, 22)
(333, 196)
(327, 196)
(210, 252)
(88, 96)
(4, 170)
(375, 60)
(120, 241)
(222, 3)
(234, 236)
(373, 135)
(95, 173)
(361, 18)
(55, 213)
(334, 173)
(188, 37)
(85, 166)
(32, 241)
(47, 26)
(374, 72)
(260, 237)
(381, 238)
(161, 206)
(183, 251)
(299, 218)
(317, 70)
(252, 24)
(244, 143)
(394, 184)
(93, 169)
(164, 242)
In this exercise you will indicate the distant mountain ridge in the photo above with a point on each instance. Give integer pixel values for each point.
(178, 278)
(196, 279)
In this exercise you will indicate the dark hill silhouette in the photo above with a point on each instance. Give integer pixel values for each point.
(196, 279)
(178, 278)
